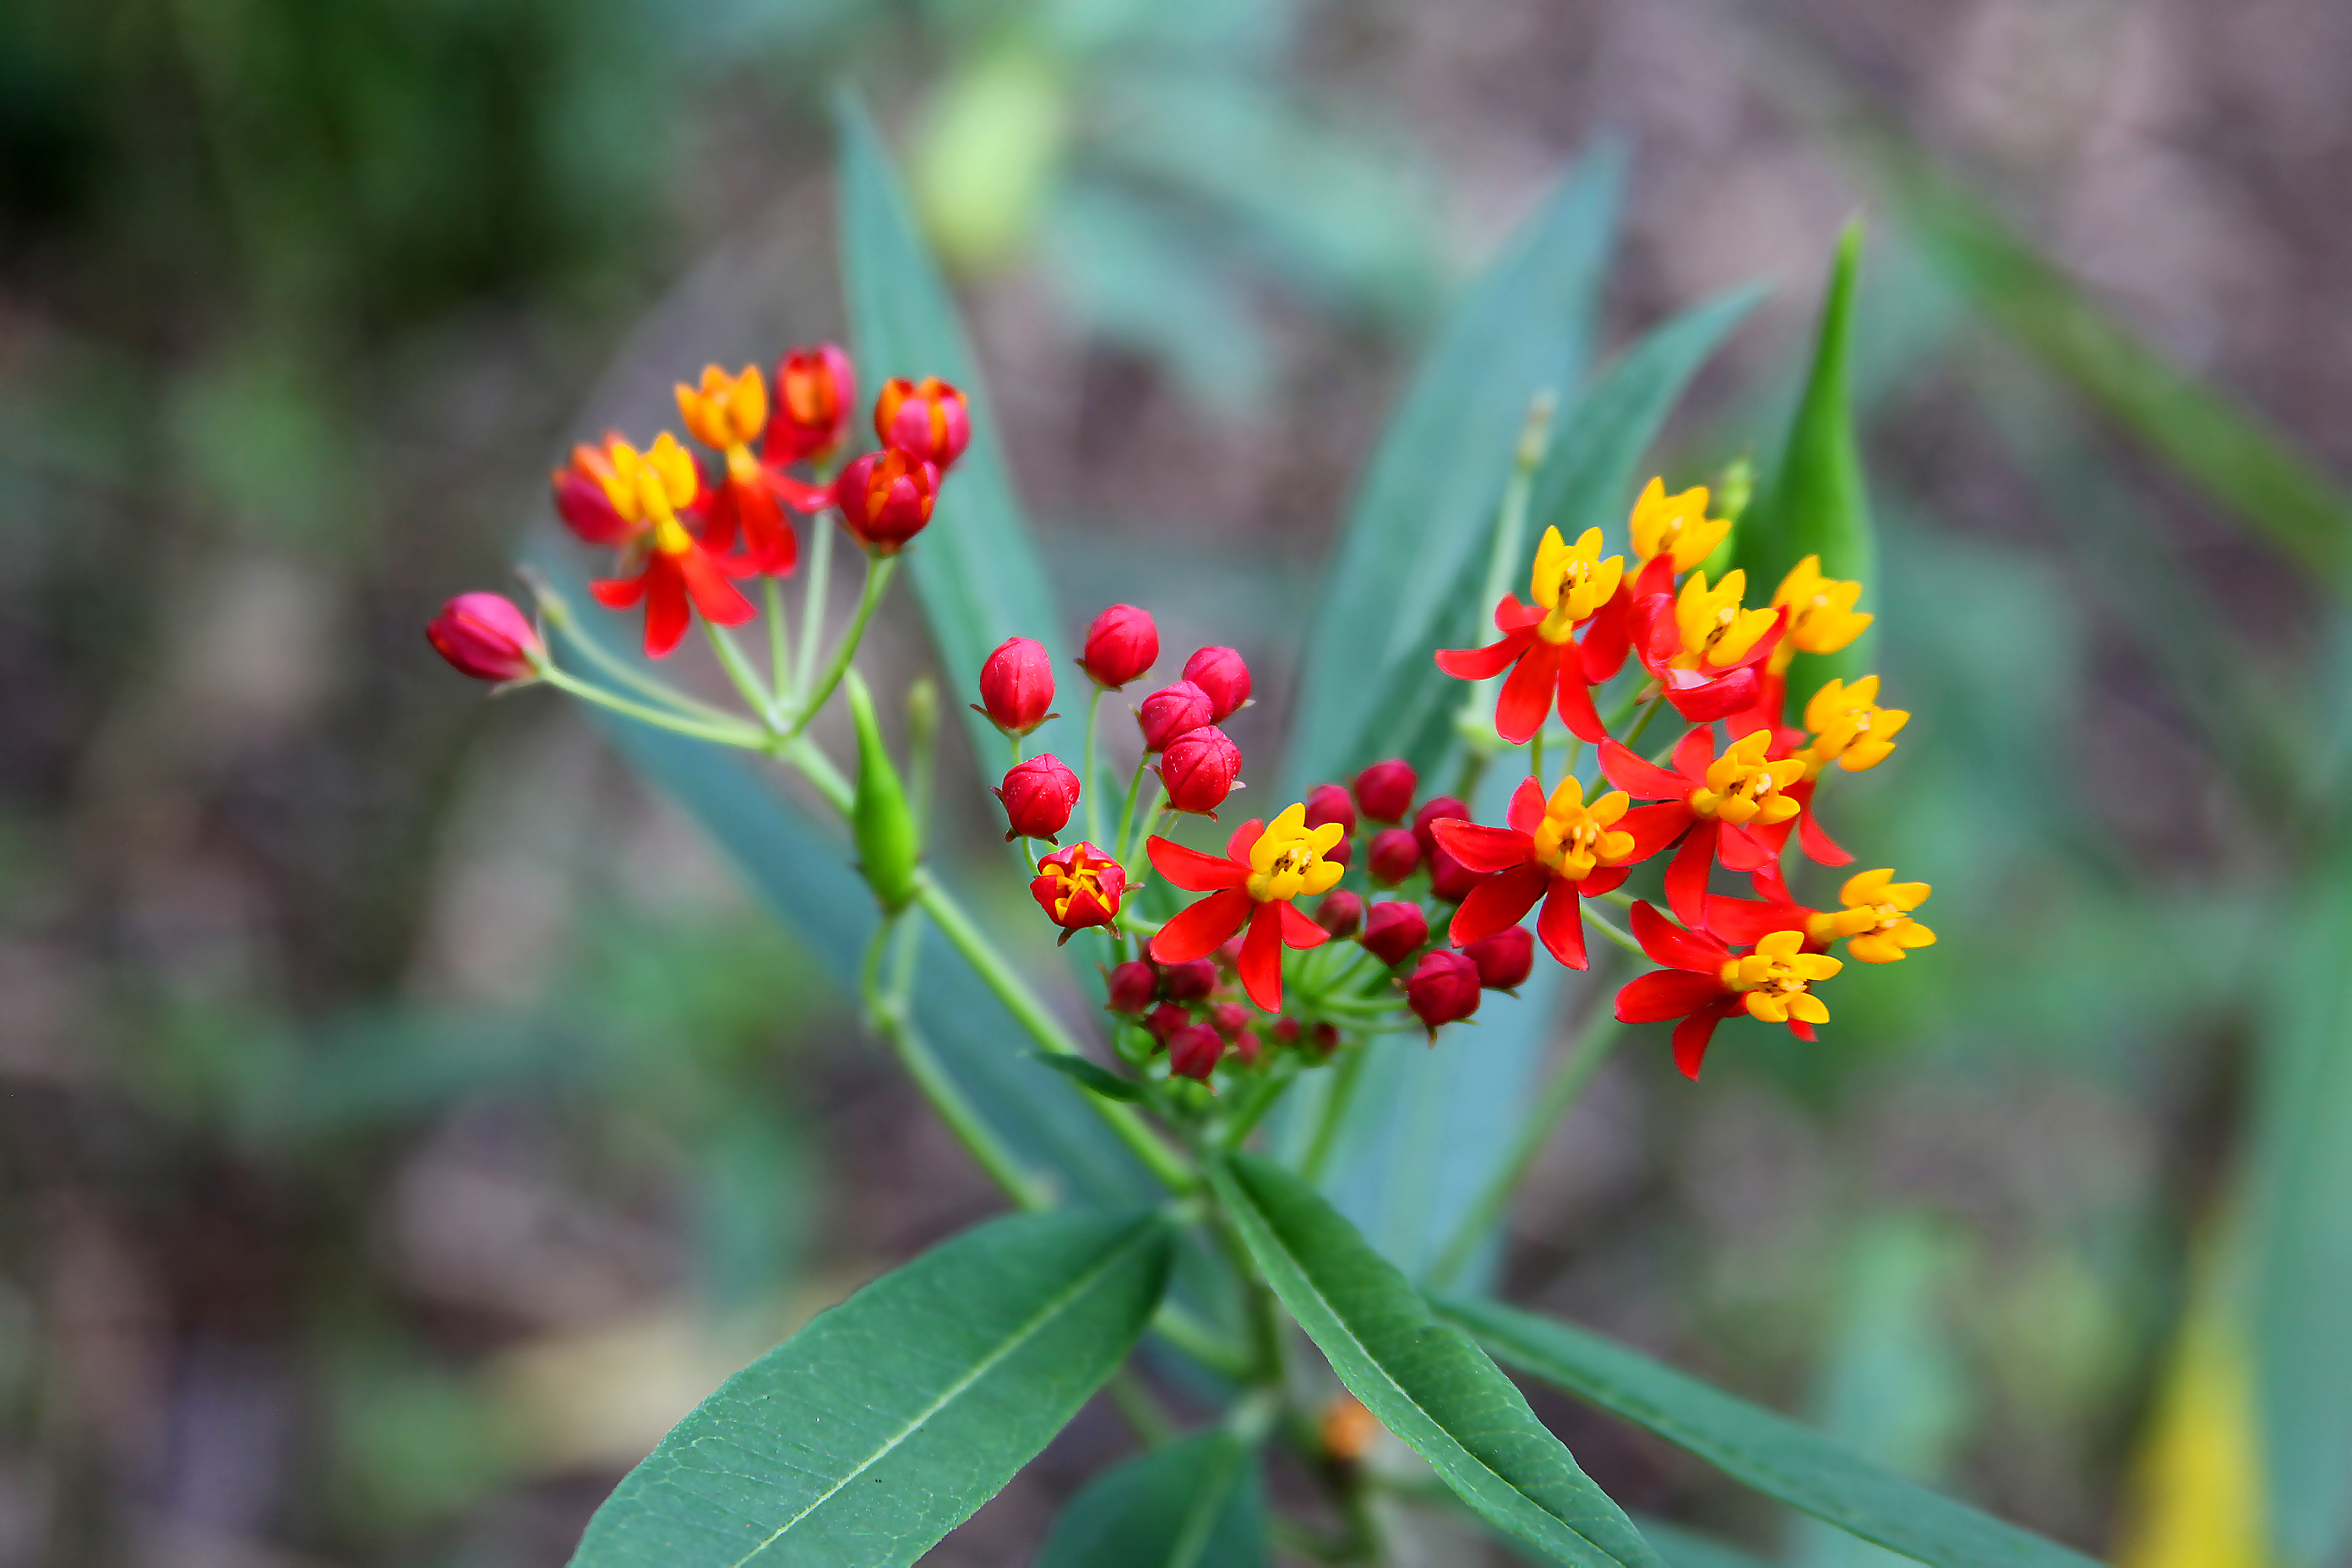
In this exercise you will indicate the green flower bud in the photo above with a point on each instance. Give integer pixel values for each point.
(888, 845)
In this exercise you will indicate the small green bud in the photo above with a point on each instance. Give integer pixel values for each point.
(888, 845)
(922, 713)
(1735, 488)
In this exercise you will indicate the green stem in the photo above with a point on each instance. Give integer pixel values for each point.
(729, 734)
(1087, 773)
(1127, 812)
(1335, 1112)
(1610, 928)
(558, 612)
(1502, 556)
(817, 767)
(877, 578)
(1643, 722)
(738, 670)
(1535, 759)
(1150, 1423)
(1258, 1100)
(780, 653)
(1486, 1210)
(1033, 1015)
(1197, 1339)
(820, 578)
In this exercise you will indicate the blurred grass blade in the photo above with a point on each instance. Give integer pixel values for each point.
(1196, 1503)
(976, 568)
(879, 1427)
(1419, 526)
(2196, 1498)
(1772, 1453)
(1428, 1384)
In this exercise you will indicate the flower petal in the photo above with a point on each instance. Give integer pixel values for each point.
(1653, 828)
(1646, 780)
(1200, 931)
(1527, 809)
(1498, 903)
(1693, 753)
(1607, 637)
(1482, 663)
(1576, 710)
(1191, 870)
(1740, 921)
(1297, 931)
(1676, 947)
(1709, 700)
(1244, 840)
(618, 593)
(665, 612)
(1527, 695)
(1260, 966)
(1692, 1036)
(1483, 848)
(1663, 994)
(1686, 874)
(1818, 845)
(1560, 927)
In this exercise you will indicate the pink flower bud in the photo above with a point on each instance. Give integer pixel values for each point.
(1395, 855)
(1436, 810)
(1016, 685)
(1038, 796)
(886, 499)
(814, 389)
(1286, 1031)
(1121, 645)
(1340, 854)
(1173, 711)
(1198, 769)
(1442, 989)
(1385, 790)
(484, 635)
(1449, 880)
(1166, 1019)
(1392, 930)
(1229, 1018)
(1325, 1039)
(925, 419)
(1341, 914)
(1329, 803)
(1219, 672)
(1504, 960)
(1188, 982)
(1132, 985)
(1248, 1046)
(1193, 1050)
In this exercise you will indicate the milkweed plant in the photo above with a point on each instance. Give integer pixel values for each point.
(1661, 724)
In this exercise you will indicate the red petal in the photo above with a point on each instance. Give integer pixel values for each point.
(1576, 709)
(1244, 840)
(1692, 1036)
(1191, 870)
(1482, 663)
(1765, 643)
(1818, 845)
(1510, 616)
(665, 612)
(1483, 848)
(1714, 699)
(1770, 886)
(1527, 697)
(1201, 929)
(1653, 827)
(1655, 578)
(718, 521)
(618, 593)
(1693, 753)
(1645, 780)
(1607, 637)
(714, 595)
(1604, 879)
(1560, 927)
(1743, 921)
(1260, 965)
(1765, 713)
(1297, 931)
(1741, 850)
(1527, 808)
(1498, 903)
(1663, 994)
(1686, 874)
(1674, 947)
(1802, 1030)
(797, 495)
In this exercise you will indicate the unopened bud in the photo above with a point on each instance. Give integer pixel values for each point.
(1039, 795)
(1194, 1051)
(1132, 985)
(886, 499)
(1199, 770)
(1341, 914)
(1504, 960)
(486, 636)
(1395, 855)
(1392, 930)
(1229, 1018)
(1329, 803)
(1172, 711)
(1443, 989)
(1385, 790)
(1433, 811)
(1449, 880)
(1188, 982)
(815, 389)
(925, 419)
(1016, 685)
(1121, 645)
(1219, 672)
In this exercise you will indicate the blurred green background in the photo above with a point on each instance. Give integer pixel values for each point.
(405, 1116)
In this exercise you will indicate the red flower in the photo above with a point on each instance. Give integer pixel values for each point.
(1079, 887)
(1700, 645)
(727, 414)
(484, 635)
(1039, 795)
(1570, 586)
(926, 420)
(1266, 865)
(1444, 987)
(1016, 685)
(1121, 645)
(1395, 855)
(1733, 807)
(584, 498)
(1172, 711)
(886, 499)
(1557, 850)
(1392, 930)
(1219, 672)
(1199, 768)
(814, 391)
(648, 491)
(1385, 790)
(1705, 982)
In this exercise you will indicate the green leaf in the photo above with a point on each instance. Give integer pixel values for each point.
(1089, 1075)
(1770, 1452)
(1426, 1383)
(976, 567)
(879, 1427)
(1196, 1503)
(1420, 524)
(1813, 500)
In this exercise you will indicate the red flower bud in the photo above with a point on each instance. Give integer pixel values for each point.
(484, 635)
(1248, 1046)
(925, 419)
(1219, 672)
(1329, 803)
(1079, 887)
(886, 499)
(1286, 1031)
(1443, 988)
(1166, 1019)
(1016, 685)
(1385, 790)
(1198, 769)
(1341, 914)
(1340, 854)
(1173, 711)
(1392, 930)
(1436, 810)
(1395, 855)
(1193, 1050)
(814, 391)
(1506, 959)
(1132, 985)
(1188, 982)
(1450, 879)
(1121, 645)
(1229, 1018)
(1325, 1039)
(1038, 796)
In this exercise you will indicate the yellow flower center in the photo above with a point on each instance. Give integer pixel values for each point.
(1574, 838)
(1676, 525)
(726, 410)
(1876, 921)
(1715, 630)
(1850, 728)
(1083, 874)
(1775, 979)
(1286, 861)
(1822, 617)
(1742, 786)
(650, 486)
(1571, 583)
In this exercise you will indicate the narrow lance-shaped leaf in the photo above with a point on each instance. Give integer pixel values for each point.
(1427, 1383)
(1196, 1503)
(884, 1424)
(1770, 1452)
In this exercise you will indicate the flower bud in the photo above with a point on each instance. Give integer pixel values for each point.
(1016, 685)
(1038, 796)
(1329, 803)
(925, 419)
(1193, 1050)
(1286, 1031)
(1443, 988)
(1504, 960)
(1248, 1046)
(1340, 854)
(1166, 1019)
(1341, 912)
(1173, 711)
(583, 497)
(1392, 930)
(1436, 810)
(1079, 887)
(1229, 1018)
(886, 499)
(1324, 1037)
(1121, 645)
(484, 635)
(1219, 672)
(1395, 855)
(1188, 982)
(1449, 880)
(1198, 769)
(883, 826)
(815, 389)
(1132, 985)
(1385, 790)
